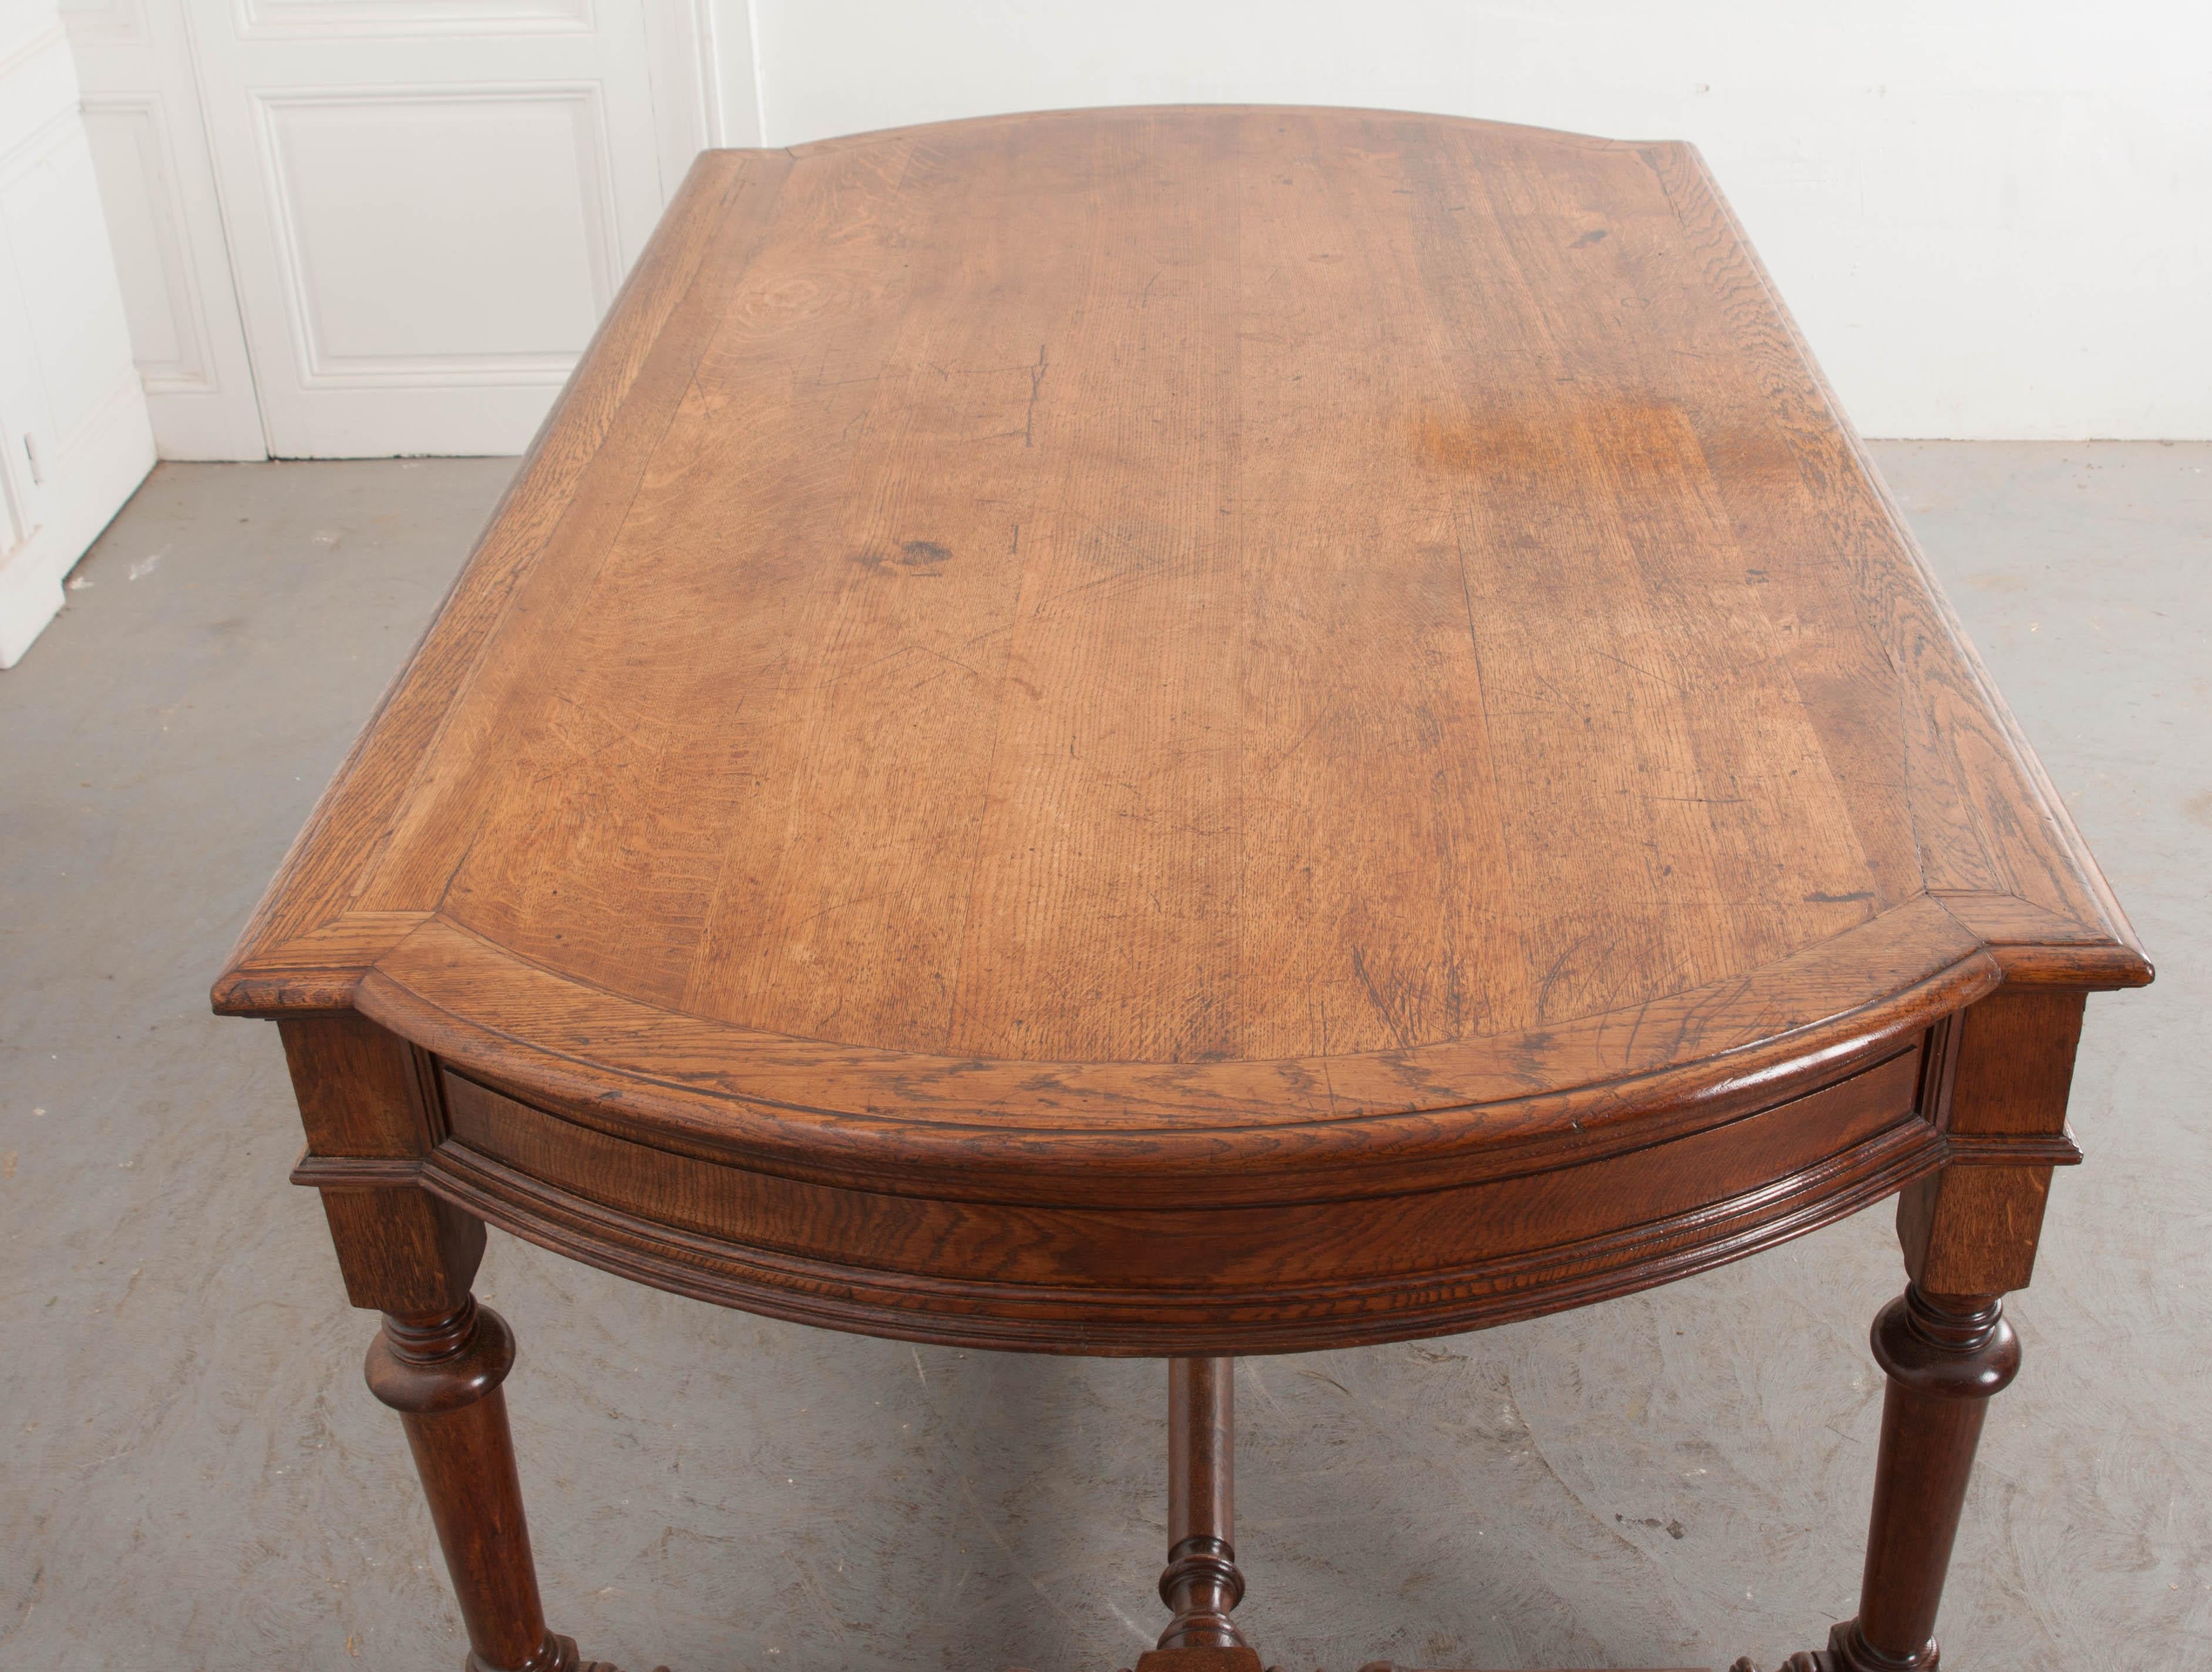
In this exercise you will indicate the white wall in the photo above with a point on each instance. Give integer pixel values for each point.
(75, 442)
(1992, 217)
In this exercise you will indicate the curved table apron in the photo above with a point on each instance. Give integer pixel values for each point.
(1187, 732)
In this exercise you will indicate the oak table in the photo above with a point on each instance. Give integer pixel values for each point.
(1187, 732)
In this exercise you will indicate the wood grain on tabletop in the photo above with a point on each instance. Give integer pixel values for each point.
(1322, 612)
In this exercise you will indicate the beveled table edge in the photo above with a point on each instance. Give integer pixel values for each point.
(908, 1148)
(771, 1101)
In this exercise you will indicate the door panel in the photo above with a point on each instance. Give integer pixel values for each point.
(142, 113)
(430, 204)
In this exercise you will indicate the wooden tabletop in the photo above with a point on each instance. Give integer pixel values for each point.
(1237, 631)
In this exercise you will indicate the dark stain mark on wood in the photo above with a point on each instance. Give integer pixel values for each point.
(1036, 382)
(925, 555)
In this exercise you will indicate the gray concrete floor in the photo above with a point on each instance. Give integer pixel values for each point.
(196, 1477)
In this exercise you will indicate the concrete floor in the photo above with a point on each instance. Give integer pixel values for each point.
(196, 1477)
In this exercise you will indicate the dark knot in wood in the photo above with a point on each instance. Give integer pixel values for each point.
(441, 1362)
(1201, 1585)
(1947, 1347)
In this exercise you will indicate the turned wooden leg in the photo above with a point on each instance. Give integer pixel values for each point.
(1969, 1235)
(1944, 1355)
(441, 1372)
(441, 1368)
(1201, 1584)
(439, 1358)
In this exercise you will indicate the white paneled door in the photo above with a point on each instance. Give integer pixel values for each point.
(430, 202)
(142, 111)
